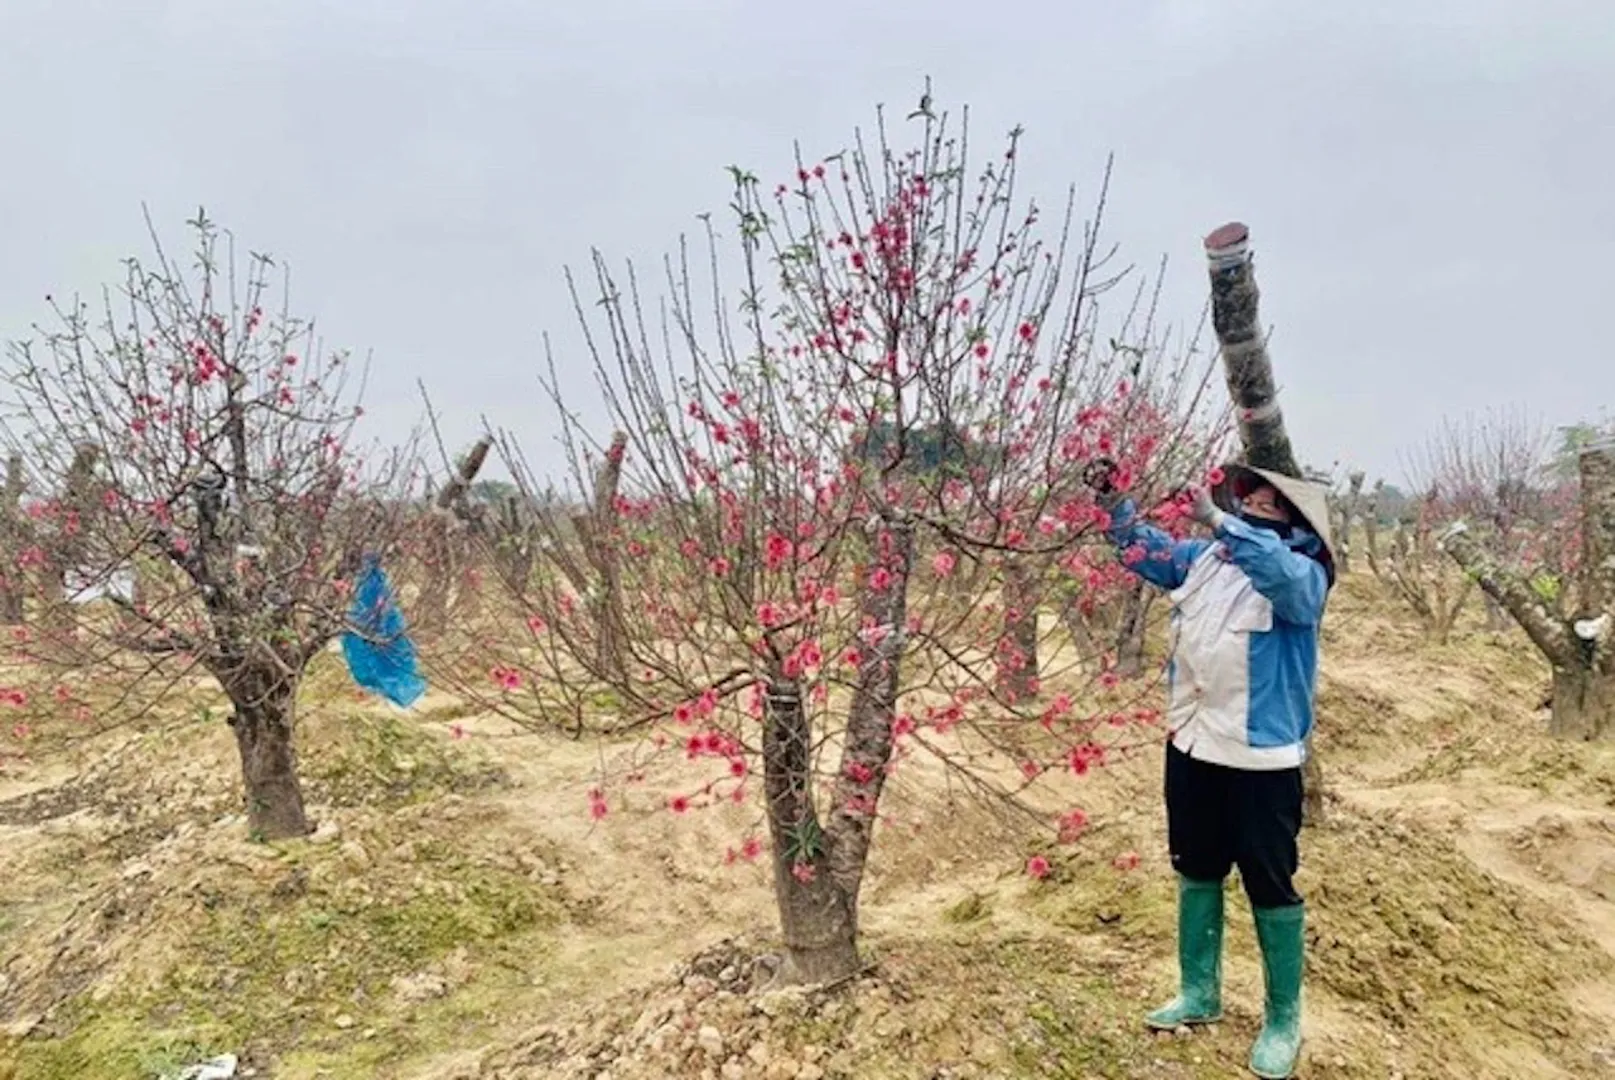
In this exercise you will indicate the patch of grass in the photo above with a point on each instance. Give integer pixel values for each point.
(116, 1041)
(973, 907)
(263, 975)
(356, 759)
(1090, 896)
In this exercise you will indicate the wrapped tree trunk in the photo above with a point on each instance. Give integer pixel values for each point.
(1235, 315)
(1236, 318)
(1581, 650)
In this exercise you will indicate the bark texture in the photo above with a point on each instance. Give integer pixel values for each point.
(1018, 659)
(819, 869)
(1236, 317)
(868, 748)
(597, 577)
(817, 917)
(263, 725)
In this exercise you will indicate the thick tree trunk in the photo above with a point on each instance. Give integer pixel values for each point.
(450, 582)
(817, 916)
(818, 872)
(1236, 317)
(263, 724)
(1583, 705)
(1017, 651)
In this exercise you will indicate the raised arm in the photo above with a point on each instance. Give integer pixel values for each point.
(1295, 584)
(1150, 552)
(1166, 561)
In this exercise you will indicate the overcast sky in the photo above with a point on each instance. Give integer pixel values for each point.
(1430, 183)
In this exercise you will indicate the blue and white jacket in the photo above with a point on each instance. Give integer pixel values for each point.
(1245, 615)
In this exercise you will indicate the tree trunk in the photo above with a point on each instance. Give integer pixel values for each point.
(818, 872)
(13, 585)
(1583, 705)
(1237, 321)
(1545, 629)
(1596, 464)
(437, 566)
(867, 751)
(263, 722)
(1345, 510)
(817, 917)
(599, 548)
(1235, 315)
(1017, 650)
(1313, 808)
(1581, 651)
(1131, 631)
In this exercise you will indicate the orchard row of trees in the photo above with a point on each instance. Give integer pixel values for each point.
(1515, 516)
(834, 516)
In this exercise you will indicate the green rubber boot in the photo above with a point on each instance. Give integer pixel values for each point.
(1278, 1047)
(1200, 918)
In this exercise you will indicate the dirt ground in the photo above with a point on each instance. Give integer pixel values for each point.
(459, 916)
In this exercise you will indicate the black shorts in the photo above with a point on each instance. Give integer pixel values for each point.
(1219, 817)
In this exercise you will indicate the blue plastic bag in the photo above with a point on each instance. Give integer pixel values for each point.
(380, 656)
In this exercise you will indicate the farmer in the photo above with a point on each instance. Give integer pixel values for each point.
(1245, 615)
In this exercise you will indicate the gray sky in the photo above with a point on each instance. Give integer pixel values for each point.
(1428, 181)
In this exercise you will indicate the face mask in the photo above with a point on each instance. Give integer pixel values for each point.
(1282, 528)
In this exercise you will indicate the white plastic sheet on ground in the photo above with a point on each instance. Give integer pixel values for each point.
(84, 586)
(222, 1067)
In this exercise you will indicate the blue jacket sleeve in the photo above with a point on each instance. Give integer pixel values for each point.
(1166, 561)
(1295, 584)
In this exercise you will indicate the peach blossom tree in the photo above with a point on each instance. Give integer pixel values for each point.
(872, 413)
(190, 455)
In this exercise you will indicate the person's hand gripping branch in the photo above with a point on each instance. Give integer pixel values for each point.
(1202, 509)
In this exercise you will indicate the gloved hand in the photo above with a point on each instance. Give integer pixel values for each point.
(1203, 510)
(1100, 476)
